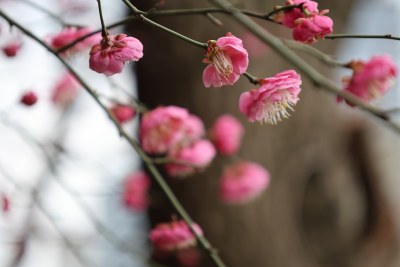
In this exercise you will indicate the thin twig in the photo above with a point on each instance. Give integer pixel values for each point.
(362, 36)
(312, 51)
(140, 14)
(36, 201)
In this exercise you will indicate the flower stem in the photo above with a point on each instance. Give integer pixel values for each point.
(251, 78)
(104, 31)
(141, 15)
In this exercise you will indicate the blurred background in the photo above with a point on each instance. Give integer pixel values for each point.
(334, 196)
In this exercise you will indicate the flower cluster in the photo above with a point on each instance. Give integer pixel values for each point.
(174, 131)
(109, 56)
(371, 79)
(307, 22)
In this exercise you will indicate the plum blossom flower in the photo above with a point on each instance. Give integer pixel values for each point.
(226, 134)
(122, 113)
(164, 128)
(173, 236)
(227, 59)
(270, 102)
(198, 155)
(307, 22)
(110, 55)
(12, 48)
(242, 182)
(371, 79)
(135, 194)
(65, 90)
(69, 34)
(291, 15)
(29, 98)
(312, 28)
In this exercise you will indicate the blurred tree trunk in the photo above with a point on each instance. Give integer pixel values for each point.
(325, 206)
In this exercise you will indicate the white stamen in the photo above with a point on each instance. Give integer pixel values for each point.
(223, 64)
(277, 111)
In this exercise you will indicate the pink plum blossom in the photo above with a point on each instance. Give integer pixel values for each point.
(312, 28)
(29, 98)
(12, 48)
(226, 134)
(227, 59)
(70, 34)
(122, 113)
(110, 55)
(242, 182)
(173, 236)
(135, 193)
(198, 155)
(290, 16)
(371, 79)
(65, 90)
(270, 102)
(164, 128)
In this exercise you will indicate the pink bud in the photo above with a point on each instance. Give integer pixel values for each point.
(12, 48)
(135, 194)
(226, 134)
(29, 98)
(123, 113)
